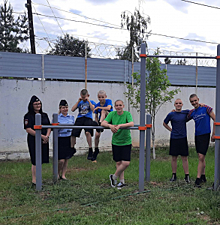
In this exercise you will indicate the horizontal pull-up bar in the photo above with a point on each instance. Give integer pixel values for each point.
(179, 56)
(39, 127)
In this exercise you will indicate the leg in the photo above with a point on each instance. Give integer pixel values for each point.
(120, 168)
(185, 164)
(201, 165)
(33, 170)
(89, 139)
(60, 167)
(118, 164)
(97, 136)
(103, 115)
(64, 169)
(174, 163)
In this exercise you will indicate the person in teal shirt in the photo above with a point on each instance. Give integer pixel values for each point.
(121, 141)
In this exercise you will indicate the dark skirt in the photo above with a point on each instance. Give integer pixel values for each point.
(64, 148)
(44, 152)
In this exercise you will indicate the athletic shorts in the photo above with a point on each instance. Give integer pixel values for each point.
(99, 130)
(83, 121)
(179, 147)
(121, 153)
(202, 143)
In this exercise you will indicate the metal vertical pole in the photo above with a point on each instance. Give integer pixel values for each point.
(55, 149)
(148, 144)
(86, 45)
(38, 153)
(43, 79)
(142, 118)
(217, 128)
(31, 26)
(196, 72)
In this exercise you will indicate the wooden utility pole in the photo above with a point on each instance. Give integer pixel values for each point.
(31, 26)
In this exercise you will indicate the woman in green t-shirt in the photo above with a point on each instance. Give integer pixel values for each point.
(121, 141)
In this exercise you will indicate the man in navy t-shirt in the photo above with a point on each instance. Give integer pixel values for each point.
(201, 116)
(178, 138)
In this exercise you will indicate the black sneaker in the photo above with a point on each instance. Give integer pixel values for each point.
(198, 183)
(94, 156)
(113, 182)
(203, 178)
(173, 178)
(120, 185)
(187, 180)
(89, 157)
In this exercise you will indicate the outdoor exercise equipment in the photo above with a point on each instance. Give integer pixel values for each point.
(141, 128)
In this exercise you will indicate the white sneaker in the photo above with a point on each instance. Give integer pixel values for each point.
(120, 185)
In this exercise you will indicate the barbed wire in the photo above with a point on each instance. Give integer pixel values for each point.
(110, 51)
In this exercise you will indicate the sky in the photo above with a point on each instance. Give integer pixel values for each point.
(167, 17)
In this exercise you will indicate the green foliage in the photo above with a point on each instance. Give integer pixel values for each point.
(12, 31)
(69, 46)
(137, 26)
(157, 92)
(157, 84)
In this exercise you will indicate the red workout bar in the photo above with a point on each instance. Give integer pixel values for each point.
(142, 128)
(38, 127)
(143, 55)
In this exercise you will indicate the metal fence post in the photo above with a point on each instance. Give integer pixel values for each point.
(142, 117)
(217, 128)
(55, 149)
(148, 144)
(38, 153)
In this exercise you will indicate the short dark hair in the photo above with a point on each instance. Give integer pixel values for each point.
(192, 96)
(84, 92)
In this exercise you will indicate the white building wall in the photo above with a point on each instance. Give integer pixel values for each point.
(16, 94)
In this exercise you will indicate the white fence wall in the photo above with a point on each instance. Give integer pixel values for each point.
(16, 94)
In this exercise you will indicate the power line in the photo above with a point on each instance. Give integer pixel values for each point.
(185, 39)
(43, 27)
(196, 3)
(100, 25)
(77, 14)
(55, 17)
(164, 35)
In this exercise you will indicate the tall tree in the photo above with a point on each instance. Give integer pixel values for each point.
(12, 31)
(69, 46)
(137, 26)
(157, 92)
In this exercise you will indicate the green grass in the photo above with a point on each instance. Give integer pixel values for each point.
(88, 198)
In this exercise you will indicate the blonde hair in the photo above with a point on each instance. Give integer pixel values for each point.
(101, 92)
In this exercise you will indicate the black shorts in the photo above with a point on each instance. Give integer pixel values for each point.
(179, 147)
(202, 143)
(99, 130)
(83, 121)
(121, 153)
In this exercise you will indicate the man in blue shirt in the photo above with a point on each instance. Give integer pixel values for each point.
(178, 138)
(201, 116)
(84, 118)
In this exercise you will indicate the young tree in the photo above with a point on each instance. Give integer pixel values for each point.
(12, 32)
(157, 92)
(137, 26)
(69, 46)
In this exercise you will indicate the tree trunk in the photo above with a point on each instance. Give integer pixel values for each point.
(153, 137)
